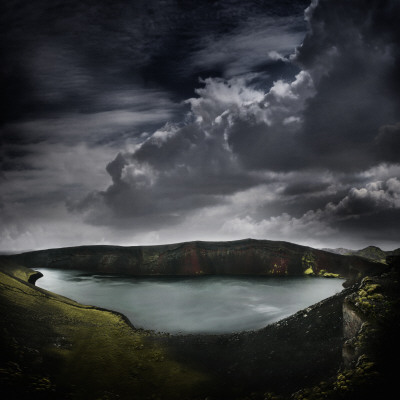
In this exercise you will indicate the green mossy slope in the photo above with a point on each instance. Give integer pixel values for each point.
(52, 347)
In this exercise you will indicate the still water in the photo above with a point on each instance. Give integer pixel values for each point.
(210, 304)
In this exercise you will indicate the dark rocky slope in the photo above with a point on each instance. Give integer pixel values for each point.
(253, 257)
(340, 348)
(371, 350)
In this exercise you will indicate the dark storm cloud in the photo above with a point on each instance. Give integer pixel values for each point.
(275, 143)
(334, 115)
(351, 56)
(304, 187)
(58, 52)
(83, 80)
(388, 143)
(269, 138)
(167, 177)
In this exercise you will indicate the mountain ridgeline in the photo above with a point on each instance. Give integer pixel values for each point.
(242, 257)
(371, 252)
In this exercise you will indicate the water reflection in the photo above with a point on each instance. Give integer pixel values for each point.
(193, 305)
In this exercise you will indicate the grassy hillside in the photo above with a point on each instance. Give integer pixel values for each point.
(52, 347)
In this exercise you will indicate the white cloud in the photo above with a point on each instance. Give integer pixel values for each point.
(373, 198)
(219, 97)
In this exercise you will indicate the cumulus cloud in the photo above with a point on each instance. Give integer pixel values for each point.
(180, 168)
(266, 138)
(369, 203)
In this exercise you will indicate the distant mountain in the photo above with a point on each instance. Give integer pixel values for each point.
(340, 250)
(373, 253)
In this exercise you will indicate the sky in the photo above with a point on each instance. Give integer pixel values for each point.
(148, 122)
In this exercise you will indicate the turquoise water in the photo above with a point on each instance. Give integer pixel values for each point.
(211, 304)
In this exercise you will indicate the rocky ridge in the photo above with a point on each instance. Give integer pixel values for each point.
(249, 256)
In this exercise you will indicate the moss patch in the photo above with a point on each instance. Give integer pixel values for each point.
(347, 384)
(309, 271)
(308, 263)
(326, 274)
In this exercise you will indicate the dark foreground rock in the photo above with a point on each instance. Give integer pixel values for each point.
(283, 357)
(371, 349)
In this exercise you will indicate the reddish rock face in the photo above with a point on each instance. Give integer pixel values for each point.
(242, 257)
(191, 263)
(279, 266)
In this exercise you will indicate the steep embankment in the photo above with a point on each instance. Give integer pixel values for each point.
(54, 348)
(256, 257)
(371, 330)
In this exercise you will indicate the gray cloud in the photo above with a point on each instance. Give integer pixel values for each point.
(337, 111)
(352, 54)
(367, 204)
(304, 153)
(266, 137)
(259, 41)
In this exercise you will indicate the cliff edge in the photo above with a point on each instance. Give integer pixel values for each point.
(249, 256)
